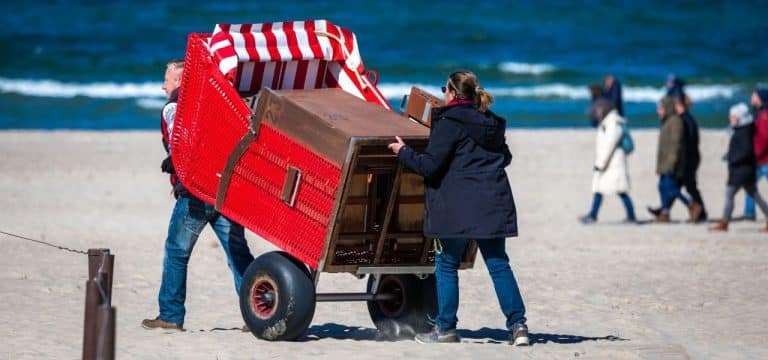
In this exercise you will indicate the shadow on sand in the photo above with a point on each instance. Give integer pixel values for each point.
(482, 335)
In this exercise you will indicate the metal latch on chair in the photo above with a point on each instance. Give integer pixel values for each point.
(291, 185)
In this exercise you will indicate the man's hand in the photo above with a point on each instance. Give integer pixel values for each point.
(396, 146)
(167, 166)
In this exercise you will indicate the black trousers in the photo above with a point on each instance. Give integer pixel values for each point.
(689, 183)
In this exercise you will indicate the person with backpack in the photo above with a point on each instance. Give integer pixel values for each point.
(610, 170)
(468, 197)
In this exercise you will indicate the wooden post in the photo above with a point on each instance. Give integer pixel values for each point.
(99, 319)
(105, 339)
(89, 324)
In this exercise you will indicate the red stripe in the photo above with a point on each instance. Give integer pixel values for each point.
(238, 76)
(249, 42)
(317, 50)
(293, 42)
(322, 69)
(258, 75)
(301, 74)
(276, 78)
(330, 81)
(337, 53)
(271, 41)
(281, 81)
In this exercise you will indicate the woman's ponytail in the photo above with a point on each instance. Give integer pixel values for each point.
(483, 100)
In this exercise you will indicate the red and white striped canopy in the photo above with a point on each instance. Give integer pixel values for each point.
(292, 55)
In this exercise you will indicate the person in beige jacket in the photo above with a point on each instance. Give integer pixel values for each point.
(610, 171)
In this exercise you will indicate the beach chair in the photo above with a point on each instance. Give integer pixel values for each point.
(280, 126)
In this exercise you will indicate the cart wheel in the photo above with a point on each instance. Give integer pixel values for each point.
(277, 297)
(412, 309)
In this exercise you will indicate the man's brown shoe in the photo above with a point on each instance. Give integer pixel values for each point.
(720, 226)
(694, 211)
(662, 218)
(151, 324)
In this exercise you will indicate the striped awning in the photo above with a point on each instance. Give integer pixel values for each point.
(292, 55)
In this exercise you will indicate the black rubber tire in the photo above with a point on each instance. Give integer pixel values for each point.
(411, 313)
(289, 311)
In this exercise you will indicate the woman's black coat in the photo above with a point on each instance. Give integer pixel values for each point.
(468, 194)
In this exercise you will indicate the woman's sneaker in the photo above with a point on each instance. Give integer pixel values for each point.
(438, 336)
(519, 335)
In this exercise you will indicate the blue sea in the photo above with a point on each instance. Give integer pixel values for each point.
(99, 65)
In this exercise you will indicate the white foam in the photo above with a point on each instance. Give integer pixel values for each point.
(639, 94)
(151, 103)
(525, 68)
(58, 89)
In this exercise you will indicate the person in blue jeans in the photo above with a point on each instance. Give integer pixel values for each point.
(468, 197)
(189, 218)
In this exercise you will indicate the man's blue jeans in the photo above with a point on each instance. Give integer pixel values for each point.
(190, 215)
(446, 273)
(749, 202)
(669, 190)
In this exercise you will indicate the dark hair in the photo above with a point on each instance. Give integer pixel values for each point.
(467, 87)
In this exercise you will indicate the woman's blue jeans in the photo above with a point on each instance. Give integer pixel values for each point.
(597, 200)
(190, 215)
(446, 273)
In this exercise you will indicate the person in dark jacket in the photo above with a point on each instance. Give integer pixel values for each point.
(670, 163)
(760, 102)
(468, 197)
(612, 92)
(676, 89)
(692, 155)
(190, 215)
(742, 164)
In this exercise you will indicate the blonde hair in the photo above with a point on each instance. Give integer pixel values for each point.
(467, 87)
(175, 64)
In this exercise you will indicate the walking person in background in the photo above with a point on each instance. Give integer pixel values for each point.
(692, 156)
(676, 89)
(611, 174)
(742, 164)
(612, 92)
(760, 102)
(670, 161)
(595, 93)
(189, 217)
(468, 197)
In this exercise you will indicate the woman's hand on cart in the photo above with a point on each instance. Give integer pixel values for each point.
(396, 146)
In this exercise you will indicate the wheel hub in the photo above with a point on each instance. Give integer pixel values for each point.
(264, 298)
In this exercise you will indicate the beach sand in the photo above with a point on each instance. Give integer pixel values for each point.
(603, 291)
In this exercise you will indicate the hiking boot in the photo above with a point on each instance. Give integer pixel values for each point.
(702, 217)
(655, 212)
(156, 323)
(519, 335)
(587, 219)
(721, 225)
(694, 211)
(662, 218)
(437, 336)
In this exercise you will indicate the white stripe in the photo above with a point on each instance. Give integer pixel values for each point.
(260, 41)
(220, 45)
(281, 42)
(290, 75)
(303, 40)
(344, 81)
(227, 64)
(325, 43)
(246, 76)
(312, 74)
(239, 44)
(269, 74)
(353, 62)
